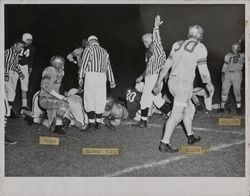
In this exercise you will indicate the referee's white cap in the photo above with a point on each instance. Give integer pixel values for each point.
(92, 37)
(26, 36)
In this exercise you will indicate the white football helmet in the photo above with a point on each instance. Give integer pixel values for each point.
(195, 31)
(27, 38)
(236, 47)
(57, 62)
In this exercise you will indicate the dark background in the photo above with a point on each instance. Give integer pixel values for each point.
(58, 29)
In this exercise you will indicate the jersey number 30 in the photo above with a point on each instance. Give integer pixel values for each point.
(189, 46)
(130, 96)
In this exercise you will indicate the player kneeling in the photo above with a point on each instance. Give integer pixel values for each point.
(77, 115)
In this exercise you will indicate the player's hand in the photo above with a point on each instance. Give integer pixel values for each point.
(80, 82)
(22, 76)
(158, 21)
(6, 77)
(112, 85)
(75, 62)
(156, 90)
(139, 79)
(210, 88)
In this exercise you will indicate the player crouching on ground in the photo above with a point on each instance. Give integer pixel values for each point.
(77, 115)
(55, 104)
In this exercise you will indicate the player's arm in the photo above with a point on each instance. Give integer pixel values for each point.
(163, 73)
(32, 57)
(140, 78)
(6, 65)
(71, 56)
(83, 67)
(46, 84)
(225, 67)
(157, 37)
(203, 68)
(110, 74)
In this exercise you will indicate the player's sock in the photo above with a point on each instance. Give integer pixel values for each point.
(166, 108)
(144, 114)
(10, 104)
(24, 99)
(98, 118)
(195, 100)
(58, 121)
(91, 117)
(238, 105)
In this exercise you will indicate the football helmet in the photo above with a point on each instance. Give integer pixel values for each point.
(195, 31)
(236, 47)
(109, 103)
(27, 38)
(57, 62)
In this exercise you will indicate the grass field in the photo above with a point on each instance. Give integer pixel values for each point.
(139, 155)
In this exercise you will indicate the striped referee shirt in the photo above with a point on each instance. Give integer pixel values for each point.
(96, 59)
(11, 61)
(155, 62)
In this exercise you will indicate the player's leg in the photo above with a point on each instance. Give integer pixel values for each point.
(182, 96)
(189, 112)
(11, 94)
(24, 86)
(56, 110)
(7, 141)
(226, 84)
(100, 98)
(146, 99)
(77, 111)
(237, 88)
(163, 106)
(88, 98)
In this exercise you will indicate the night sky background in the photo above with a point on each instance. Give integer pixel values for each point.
(58, 29)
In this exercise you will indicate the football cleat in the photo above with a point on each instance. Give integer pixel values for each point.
(141, 124)
(66, 123)
(238, 110)
(228, 108)
(167, 148)
(59, 130)
(221, 110)
(193, 139)
(88, 128)
(13, 114)
(108, 124)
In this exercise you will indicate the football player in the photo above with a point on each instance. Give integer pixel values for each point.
(78, 117)
(232, 76)
(184, 57)
(55, 104)
(26, 61)
(76, 55)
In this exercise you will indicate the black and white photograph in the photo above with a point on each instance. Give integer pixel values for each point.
(120, 90)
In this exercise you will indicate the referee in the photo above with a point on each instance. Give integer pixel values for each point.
(155, 58)
(11, 68)
(96, 69)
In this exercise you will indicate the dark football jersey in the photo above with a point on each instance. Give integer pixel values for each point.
(132, 100)
(26, 56)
